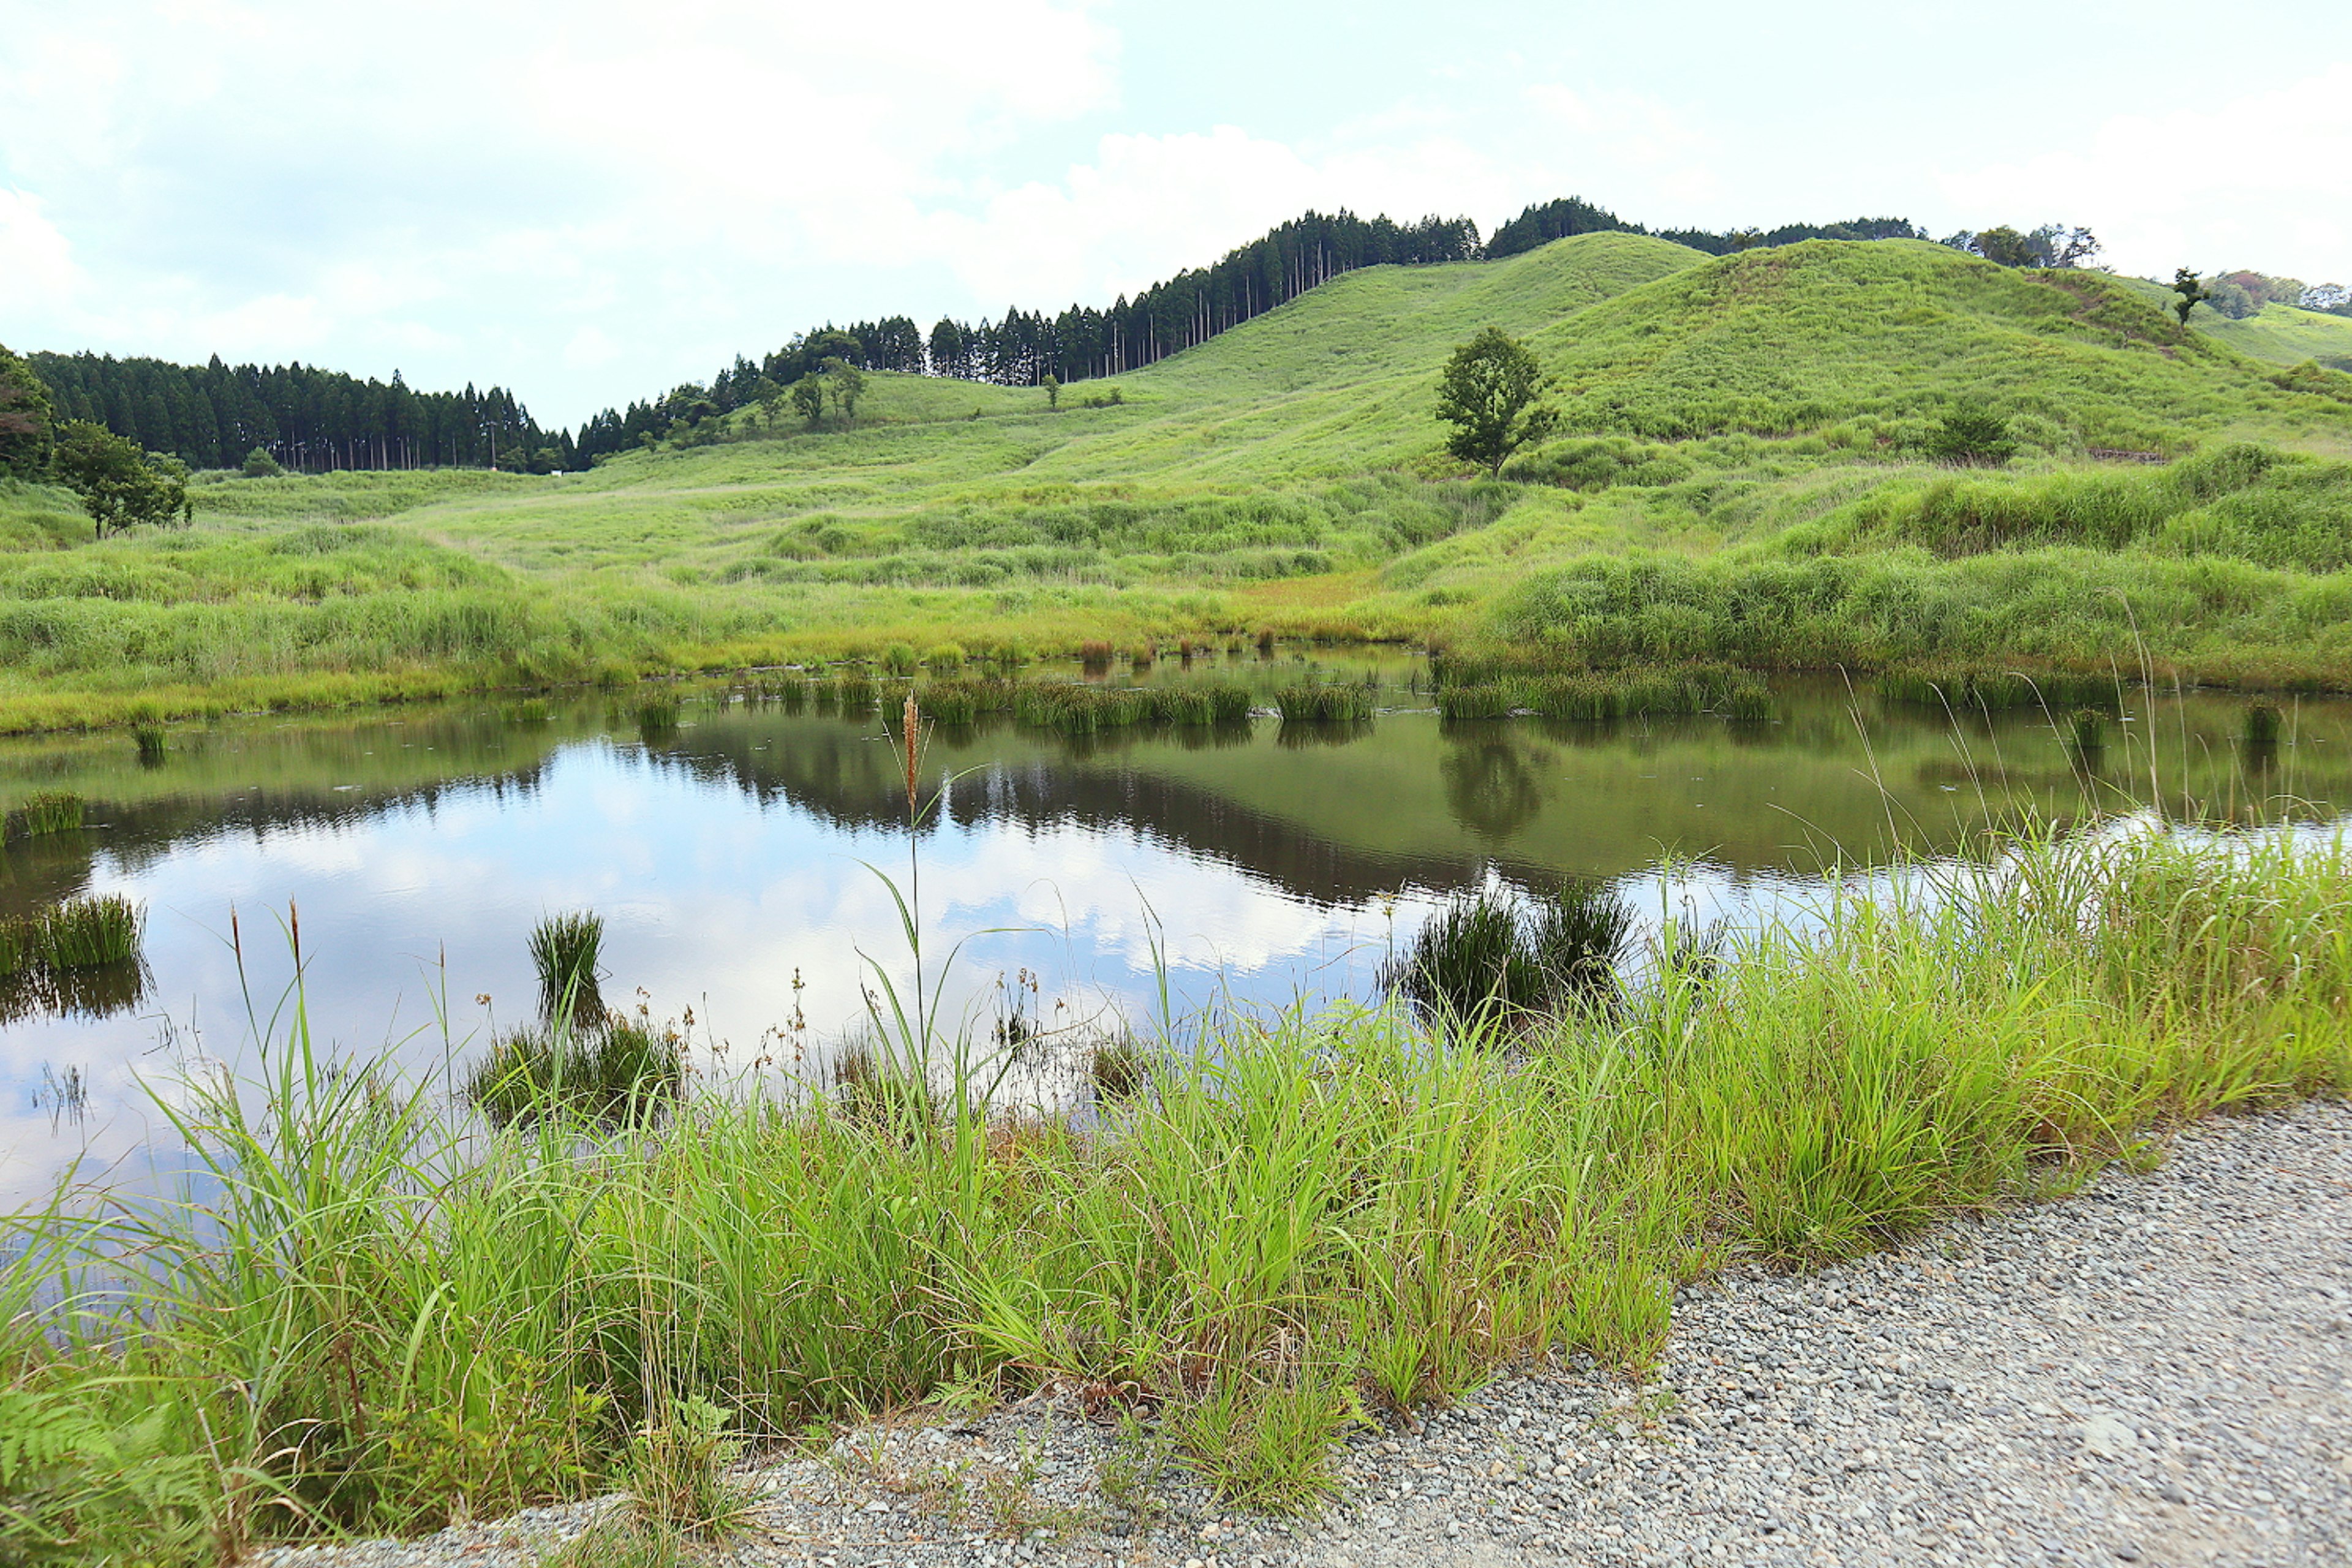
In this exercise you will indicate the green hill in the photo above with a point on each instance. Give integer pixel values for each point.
(2280, 333)
(1735, 420)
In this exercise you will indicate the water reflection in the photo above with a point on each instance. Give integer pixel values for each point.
(724, 844)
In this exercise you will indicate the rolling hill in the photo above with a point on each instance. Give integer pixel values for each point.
(1732, 421)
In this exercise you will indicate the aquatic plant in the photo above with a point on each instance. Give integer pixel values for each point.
(1577, 936)
(900, 659)
(658, 721)
(1489, 958)
(1470, 965)
(1323, 702)
(1488, 699)
(2263, 724)
(2087, 728)
(1095, 654)
(856, 692)
(610, 1070)
(150, 744)
(80, 933)
(564, 952)
(944, 660)
(50, 811)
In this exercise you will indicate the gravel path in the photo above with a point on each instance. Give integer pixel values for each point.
(2156, 1371)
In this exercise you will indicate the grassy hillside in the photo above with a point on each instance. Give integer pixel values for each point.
(1757, 419)
(2280, 333)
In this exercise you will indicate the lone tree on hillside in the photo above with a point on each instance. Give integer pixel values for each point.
(26, 419)
(1492, 394)
(808, 397)
(848, 384)
(2191, 293)
(120, 484)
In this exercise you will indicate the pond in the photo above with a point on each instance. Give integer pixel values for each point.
(734, 855)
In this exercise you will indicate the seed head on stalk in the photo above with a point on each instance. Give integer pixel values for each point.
(909, 727)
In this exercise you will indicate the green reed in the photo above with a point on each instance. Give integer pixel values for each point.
(50, 811)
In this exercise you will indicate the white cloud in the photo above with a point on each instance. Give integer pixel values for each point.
(2262, 181)
(34, 257)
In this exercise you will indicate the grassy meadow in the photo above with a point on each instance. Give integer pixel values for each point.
(1743, 476)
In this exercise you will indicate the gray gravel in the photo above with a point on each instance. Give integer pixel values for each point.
(2157, 1370)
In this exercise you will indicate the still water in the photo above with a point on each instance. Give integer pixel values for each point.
(734, 860)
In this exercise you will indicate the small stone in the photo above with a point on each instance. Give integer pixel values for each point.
(2108, 1438)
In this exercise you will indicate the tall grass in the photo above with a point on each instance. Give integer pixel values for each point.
(360, 1320)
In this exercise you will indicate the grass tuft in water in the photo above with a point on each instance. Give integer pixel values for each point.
(658, 721)
(150, 740)
(615, 1072)
(80, 933)
(564, 952)
(1491, 958)
(1321, 703)
(51, 811)
(2263, 724)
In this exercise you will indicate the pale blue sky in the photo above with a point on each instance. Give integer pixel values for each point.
(591, 202)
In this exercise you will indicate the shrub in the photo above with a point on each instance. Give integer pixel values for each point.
(899, 659)
(1972, 433)
(259, 464)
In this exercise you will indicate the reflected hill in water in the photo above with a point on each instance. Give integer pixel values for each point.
(1326, 815)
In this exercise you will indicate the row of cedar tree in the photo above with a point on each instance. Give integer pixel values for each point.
(212, 415)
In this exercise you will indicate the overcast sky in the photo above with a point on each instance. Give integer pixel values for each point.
(592, 201)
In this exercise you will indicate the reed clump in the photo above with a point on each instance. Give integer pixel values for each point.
(1997, 690)
(658, 721)
(2264, 723)
(150, 740)
(372, 1312)
(612, 1071)
(565, 954)
(1325, 702)
(80, 933)
(1494, 960)
(50, 811)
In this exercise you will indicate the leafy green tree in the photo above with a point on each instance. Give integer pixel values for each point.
(848, 384)
(2004, 247)
(771, 398)
(808, 398)
(1053, 386)
(1973, 433)
(834, 343)
(2229, 297)
(27, 419)
(2191, 293)
(118, 484)
(1492, 394)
